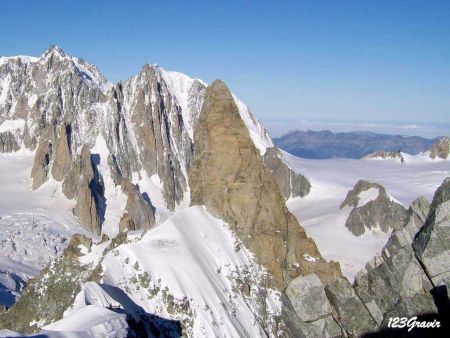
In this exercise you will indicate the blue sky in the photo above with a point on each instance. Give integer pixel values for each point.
(327, 60)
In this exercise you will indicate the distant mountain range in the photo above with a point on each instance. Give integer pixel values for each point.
(327, 144)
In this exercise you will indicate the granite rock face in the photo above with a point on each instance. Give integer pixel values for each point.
(349, 310)
(432, 244)
(8, 142)
(63, 157)
(311, 305)
(157, 140)
(229, 177)
(394, 284)
(290, 183)
(372, 208)
(441, 149)
(57, 98)
(41, 165)
(140, 212)
(397, 283)
(85, 180)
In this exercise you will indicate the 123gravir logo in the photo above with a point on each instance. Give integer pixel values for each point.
(411, 323)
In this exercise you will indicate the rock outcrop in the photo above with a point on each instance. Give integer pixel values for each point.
(8, 142)
(84, 183)
(432, 243)
(372, 208)
(41, 166)
(140, 212)
(157, 139)
(394, 284)
(63, 156)
(48, 295)
(349, 311)
(401, 282)
(229, 177)
(386, 155)
(441, 149)
(290, 183)
(311, 305)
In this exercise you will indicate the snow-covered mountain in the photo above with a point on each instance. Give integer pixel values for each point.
(120, 155)
(157, 207)
(141, 129)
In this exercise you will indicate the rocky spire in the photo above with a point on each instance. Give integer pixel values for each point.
(432, 243)
(440, 149)
(229, 177)
(377, 211)
(54, 50)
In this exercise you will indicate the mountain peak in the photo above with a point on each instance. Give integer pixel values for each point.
(55, 50)
(219, 84)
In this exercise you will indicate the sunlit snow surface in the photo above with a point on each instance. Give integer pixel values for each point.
(319, 211)
(34, 225)
(10, 125)
(194, 258)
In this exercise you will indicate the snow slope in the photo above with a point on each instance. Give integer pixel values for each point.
(93, 321)
(11, 125)
(331, 179)
(258, 133)
(23, 58)
(189, 269)
(368, 195)
(181, 86)
(116, 200)
(90, 321)
(34, 225)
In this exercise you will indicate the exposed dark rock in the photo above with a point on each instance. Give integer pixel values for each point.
(84, 183)
(382, 212)
(350, 311)
(432, 243)
(8, 142)
(290, 183)
(158, 129)
(308, 298)
(394, 284)
(141, 213)
(41, 163)
(62, 156)
(126, 223)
